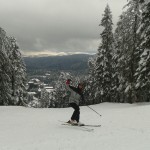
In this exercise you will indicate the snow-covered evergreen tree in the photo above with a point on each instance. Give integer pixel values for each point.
(143, 71)
(45, 100)
(127, 50)
(12, 72)
(5, 67)
(91, 82)
(103, 64)
(18, 73)
(60, 90)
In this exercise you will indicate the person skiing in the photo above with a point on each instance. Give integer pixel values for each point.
(75, 95)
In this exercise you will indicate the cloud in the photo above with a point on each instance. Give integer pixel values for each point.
(56, 26)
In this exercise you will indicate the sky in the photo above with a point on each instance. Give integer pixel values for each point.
(56, 27)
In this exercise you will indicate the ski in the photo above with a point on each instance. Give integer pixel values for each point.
(88, 125)
(85, 129)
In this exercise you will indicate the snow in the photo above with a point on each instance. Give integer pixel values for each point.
(31, 93)
(124, 127)
(127, 88)
(49, 89)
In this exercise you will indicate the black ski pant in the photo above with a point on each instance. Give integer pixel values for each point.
(76, 113)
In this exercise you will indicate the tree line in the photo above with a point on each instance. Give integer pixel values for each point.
(119, 72)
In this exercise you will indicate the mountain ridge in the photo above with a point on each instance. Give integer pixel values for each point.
(67, 62)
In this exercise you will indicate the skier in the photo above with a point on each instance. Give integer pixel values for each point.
(75, 95)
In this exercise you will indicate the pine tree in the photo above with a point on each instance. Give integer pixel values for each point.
(91, 82)
(103, 65)
(127, 42)
(5, 67)
(12, 72)
(60, 89)
(45, 101)
(143, 71)
(18, 73)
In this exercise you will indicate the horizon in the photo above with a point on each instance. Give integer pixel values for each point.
(69, 54)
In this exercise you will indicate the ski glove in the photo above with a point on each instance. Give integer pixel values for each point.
(68, 81)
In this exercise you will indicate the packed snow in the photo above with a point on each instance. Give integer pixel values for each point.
(124, 127)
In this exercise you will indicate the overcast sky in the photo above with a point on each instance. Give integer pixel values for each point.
(56, 26)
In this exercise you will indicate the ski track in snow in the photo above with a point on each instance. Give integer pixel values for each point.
(124, 127)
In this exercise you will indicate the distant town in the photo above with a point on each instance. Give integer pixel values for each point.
(37, 89)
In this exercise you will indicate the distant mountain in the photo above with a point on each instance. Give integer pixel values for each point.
(70, 62)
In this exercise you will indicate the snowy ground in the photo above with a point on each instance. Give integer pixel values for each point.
(124, 127)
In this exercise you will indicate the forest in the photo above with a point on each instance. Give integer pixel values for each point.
(118, 72)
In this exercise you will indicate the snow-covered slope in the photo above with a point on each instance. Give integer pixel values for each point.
(124, 127)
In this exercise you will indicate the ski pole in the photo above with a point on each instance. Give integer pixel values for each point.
(94, 110)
